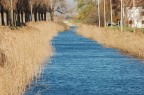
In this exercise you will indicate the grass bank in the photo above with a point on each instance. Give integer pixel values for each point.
(22, 53)
(128, 42)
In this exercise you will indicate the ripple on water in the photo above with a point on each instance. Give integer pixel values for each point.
(83, 67)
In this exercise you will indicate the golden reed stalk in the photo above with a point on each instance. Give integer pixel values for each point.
(22, 54)
(127, 42)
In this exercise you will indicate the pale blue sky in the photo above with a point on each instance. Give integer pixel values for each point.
(71, 3)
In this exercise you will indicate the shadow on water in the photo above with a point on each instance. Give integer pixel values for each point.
(83, 67)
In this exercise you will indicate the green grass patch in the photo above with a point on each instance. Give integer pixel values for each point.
(126, 29)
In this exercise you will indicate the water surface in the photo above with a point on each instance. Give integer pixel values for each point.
(83, 67)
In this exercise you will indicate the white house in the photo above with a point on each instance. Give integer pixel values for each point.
(135, 17)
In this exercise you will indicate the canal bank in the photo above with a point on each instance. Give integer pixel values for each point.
(131, 43)
(83, 67)
(22, 53)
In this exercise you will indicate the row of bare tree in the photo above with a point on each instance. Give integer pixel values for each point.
(102, 11)
(119, 7)
(20, 11)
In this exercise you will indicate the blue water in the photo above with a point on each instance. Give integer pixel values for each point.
(83, 67)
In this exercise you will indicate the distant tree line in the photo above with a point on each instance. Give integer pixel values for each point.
(102, 11)
(21, 11)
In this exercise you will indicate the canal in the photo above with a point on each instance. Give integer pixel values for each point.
(83, 67)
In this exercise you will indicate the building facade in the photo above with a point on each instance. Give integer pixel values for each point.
(135, 17)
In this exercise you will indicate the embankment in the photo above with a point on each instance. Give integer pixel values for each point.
(127, 42)
(22, 53)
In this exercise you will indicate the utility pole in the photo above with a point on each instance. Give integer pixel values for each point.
(44, 17)
(52, 9)
(104, 13)
(111, 13)
(31, 10)
(51, 3)
(134, 10)
(133, 3)
(11, 11)
(99, 12)
(121, 24)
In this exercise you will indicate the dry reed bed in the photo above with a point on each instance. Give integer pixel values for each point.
(127, 42)
(22, 52)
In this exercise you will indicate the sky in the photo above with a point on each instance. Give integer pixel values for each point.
(71, 3)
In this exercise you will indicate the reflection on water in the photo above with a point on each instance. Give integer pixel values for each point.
(83, 67)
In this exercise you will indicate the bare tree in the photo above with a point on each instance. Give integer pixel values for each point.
(9, 6)
(111, 12)
(121, 24)
(99, 12)
(2, 15)
(56, 5)
(17, 10)
(104, 13)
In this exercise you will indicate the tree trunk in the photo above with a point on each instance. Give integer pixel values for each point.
(18, 18)
(26, 18)
(42, 17)
(31, 13)
(111, 13)
(14, 18)
(39, 16)
(121, 23)
(22, 21)
(31, 17)
(35, 16)
(10, 17)
(2, 16)
(105, 13)
(45, 16)
(99, 13)
(7, 17)
(125, 21)
(52, 15)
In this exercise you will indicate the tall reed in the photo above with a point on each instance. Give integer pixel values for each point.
(127, 42)
(22, 53)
